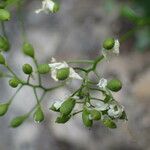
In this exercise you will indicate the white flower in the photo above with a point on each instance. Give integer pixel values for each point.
(102, 83)
(55, 66)
(57, 104)
(114, 50)
(47, 6)
(115, 110)
(101, 106)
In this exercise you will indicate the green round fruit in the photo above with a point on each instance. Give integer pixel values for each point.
(4, 43)
(63, 73)
(43, 68)
(109, 43)
(28, 49)
(56, 8)
(14, 82)
(3, 109)
(27, 69)
(2, 60)
(16, 122)
(114, 85)
(4, 15)
(95, 114)
(38, 115)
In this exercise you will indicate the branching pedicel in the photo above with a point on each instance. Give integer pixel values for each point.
(105, 109)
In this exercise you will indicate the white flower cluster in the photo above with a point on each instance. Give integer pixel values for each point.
(47, 6)
(114, 109)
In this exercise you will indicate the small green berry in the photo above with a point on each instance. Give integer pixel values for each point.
(16, 122)
(86, 119)
(62, 118)
(14, 82)
(28, 49)
(3, 109)
(38, 115)
(109, 123)
(63, 73)
(43, 68)
(2, 60)
(4, 43)
(27, 69)
(109, 43)
(56, 8)
(67, 106)
(95, 114)
(114, 85)
(4, 15)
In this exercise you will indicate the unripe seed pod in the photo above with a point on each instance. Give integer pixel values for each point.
(3, 109)
(14, 82)
(38, 115)
(63, 73)
(27, 68)
(2, 59)
(114, 85)
(4, 43)
(85, 118)
(4, 15)
(62, 118)
(95, 114)
(43, 68)
(16, 122)
(67, 106)
(109, 123)
(109, 43)
(28, 49)
(56, 7)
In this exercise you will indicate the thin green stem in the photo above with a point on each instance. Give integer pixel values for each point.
(39, 76)
(36, 96)
(80, 61)
(75, 113)
(11, 99)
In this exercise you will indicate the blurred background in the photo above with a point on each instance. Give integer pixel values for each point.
(77, 32)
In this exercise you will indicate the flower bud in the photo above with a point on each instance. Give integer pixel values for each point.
(56, 106)
(109, 123)
(95, 114)
(114, 85)
(67, 106)
(2, 59)
(4, 43)
(16, 122)
(27, 68)
(38, 115)
(4, 15)
(63, 73)
(43, 68)
(28, 49)
(62, 118)
(109, 43)
(14, 82)
(3, 109)
(86, 119)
